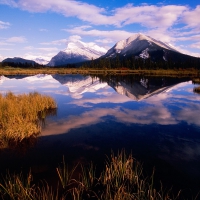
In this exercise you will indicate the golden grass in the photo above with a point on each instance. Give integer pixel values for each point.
(197, 90)
(196, 80)
(20, 114)
(49, 70)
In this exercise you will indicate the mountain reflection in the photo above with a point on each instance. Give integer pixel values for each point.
(139, 87)
(156, 118)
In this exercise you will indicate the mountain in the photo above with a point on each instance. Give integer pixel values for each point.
(41, 61)
(18, 60)
(144, 46)
(77, 51)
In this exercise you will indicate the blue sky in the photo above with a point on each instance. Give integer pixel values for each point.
(41, 28)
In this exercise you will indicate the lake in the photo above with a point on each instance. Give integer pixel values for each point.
(155, 118)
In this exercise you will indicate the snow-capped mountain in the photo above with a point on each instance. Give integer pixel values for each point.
(142, 46)
(41, 61)
(77, 51)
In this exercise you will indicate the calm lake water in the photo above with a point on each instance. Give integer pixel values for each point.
(157, 119)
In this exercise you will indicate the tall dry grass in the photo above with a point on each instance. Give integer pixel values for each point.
(121, 179)
(20, 115)
(197, 90)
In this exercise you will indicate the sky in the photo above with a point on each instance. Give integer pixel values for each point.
(34, 29)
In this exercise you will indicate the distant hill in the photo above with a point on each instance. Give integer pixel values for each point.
(19, 62)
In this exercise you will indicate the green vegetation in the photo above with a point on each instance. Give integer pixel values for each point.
(21, 115)
(122, 179)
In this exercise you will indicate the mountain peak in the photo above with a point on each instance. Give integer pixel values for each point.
(77, 51)
(139, 45)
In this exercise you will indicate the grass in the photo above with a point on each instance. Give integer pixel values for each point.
(49, 70)
(121, 179)
(197, 90)
(21, 115)
(196, 80)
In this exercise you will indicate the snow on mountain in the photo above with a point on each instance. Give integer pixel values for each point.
(2, 79)
(138, 44)
(41, 61)
(77, 51)
(40, 77)
(1, 58)
(143, 89)
(87, 85)
(78, 84)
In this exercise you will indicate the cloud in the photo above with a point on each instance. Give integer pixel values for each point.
(43, 30)
(191, 17)
(4, 25)
(195, 45)
(147, 15)
(20, 39)
(114, 35)
(48, 49)
(55, 42)
(159, 115)
(74, 38)
(5, 49)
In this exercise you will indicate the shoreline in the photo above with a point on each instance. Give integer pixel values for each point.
(20, 71)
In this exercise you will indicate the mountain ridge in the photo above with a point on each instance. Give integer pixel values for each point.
(76, 52)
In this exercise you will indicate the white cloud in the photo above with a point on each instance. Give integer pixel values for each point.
(114, 35)
(195, 45)
(43, 30)
(4, 25)
(74, 38)
(48, 49)
(5, 49)
(55, 42)
(191, 17)
(147, 15)
(20, 39)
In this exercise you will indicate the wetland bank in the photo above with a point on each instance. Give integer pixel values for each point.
(155, 119)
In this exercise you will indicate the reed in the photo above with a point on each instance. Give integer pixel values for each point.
(122, 179)
(197, 90)
(51, 70)
(20, 115)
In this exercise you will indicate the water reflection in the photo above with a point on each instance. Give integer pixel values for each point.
(157, 118)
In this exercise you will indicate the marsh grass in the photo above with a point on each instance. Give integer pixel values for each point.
(197, 90)
(21, 115)
(154, 72)
(121, 179)
(196, 80)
